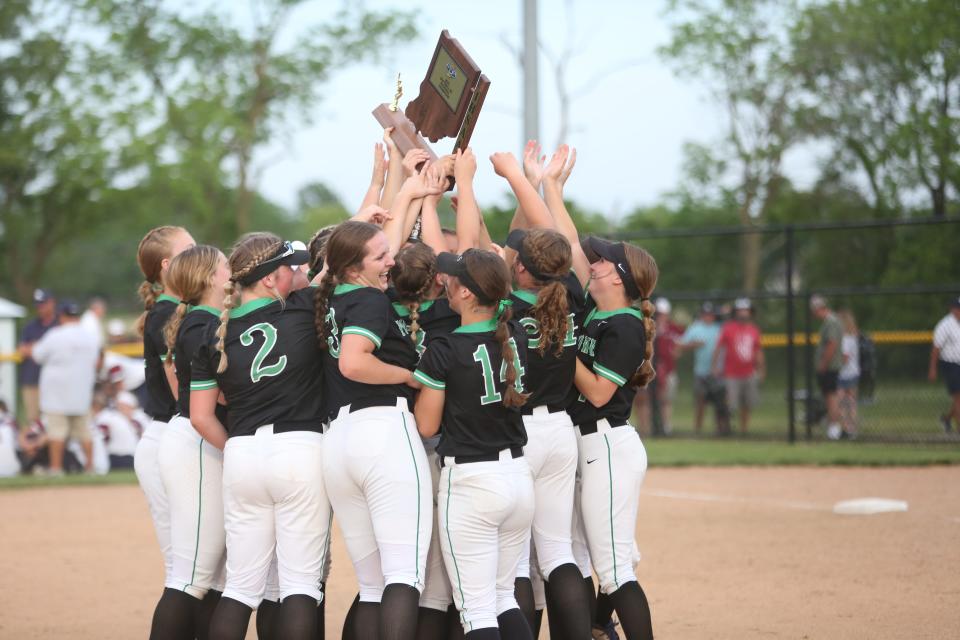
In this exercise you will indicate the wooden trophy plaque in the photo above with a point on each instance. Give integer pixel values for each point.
(448, 104)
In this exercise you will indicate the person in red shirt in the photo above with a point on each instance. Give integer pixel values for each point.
(738, 359)
(665, 361)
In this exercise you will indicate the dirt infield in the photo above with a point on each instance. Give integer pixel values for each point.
(727, 553)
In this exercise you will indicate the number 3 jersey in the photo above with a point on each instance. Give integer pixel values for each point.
(273, 373)
(468, 367)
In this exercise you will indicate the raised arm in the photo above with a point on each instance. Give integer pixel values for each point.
(468, 212)
(414, 188)
(555, 176)
(377, 179)
(430, 231)
(535, 211)
(394, 170)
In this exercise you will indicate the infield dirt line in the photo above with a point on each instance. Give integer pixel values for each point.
(707, 497)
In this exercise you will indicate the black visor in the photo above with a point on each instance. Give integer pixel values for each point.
(614, 253)
(454, 265)
(289, 253)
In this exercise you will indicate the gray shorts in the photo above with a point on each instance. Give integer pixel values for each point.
(742, 392)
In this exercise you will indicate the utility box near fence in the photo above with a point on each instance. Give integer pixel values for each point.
(9, 314)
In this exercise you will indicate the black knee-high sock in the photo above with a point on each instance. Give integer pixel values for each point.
(567, 602)
(431, 624)
(633, 610)
(366, 622)
(322, 616)
(230, 620)
(454, 625)
(298, 618)
(514, 626)
(268, 614)
(399, 607)
(488, 633)
(604, 610)
(523, 593)
(204, 613)
(173, 619)
(349, 630)
(591, 596)
(538, 622)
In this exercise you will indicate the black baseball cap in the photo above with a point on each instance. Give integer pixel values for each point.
(288, 253)
(41, 295)
(613, 252)
(70, 308)
(515, 242)
(454, 265)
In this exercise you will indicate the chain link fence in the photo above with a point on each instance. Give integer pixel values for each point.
(895, 278)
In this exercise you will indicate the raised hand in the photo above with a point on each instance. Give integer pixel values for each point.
(379, 165)
(419, 184)
(505, 164)
(446, 163)
(464, 166)
(388, 140)
(412, 159)
(533, 163)
(557, 164)
(565, 173)
(374, 214)
(436, 180)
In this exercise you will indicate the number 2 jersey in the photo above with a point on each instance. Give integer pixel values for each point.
(367, 312)
(612, 345)
(467, 365)
(273, 373)
(550, 376)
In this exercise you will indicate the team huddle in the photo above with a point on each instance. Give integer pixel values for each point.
(459, 407)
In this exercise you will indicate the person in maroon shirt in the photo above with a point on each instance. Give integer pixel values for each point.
(738, 359)
(665, 361)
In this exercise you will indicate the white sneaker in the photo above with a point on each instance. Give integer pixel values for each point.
(834, 431)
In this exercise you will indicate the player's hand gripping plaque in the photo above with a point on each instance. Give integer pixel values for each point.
(450, 99)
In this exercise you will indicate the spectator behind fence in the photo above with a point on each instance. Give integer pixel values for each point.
(945, 356)
(665, 362)
(121, 426)
(742, 366)
(701, 336)
(46, 307)
(9, 463)
(829, 360)
(68, 357)
(849, 377)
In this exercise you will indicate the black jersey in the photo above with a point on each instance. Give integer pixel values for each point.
(435, 317)
(549, 376)
(364, 311)
(612, 345)
(196, 332)
(468, 366)
(273, 371)
(160, 404)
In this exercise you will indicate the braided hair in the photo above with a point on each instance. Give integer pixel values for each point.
(413, 275)
(552, 257)
(247, 254)
(190, 274)
(645, 272)
(154, 248)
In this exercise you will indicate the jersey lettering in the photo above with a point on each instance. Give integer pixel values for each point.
(491, 394)
(588, 345)
(257, 370)
(333, 337)
(532, 327)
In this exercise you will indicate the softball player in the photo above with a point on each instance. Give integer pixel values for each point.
(375, 468)
(154, 254)
(548, 301)
(266, 364)
(473, 384)
(426, 314)
(614, 356)
(191, 469)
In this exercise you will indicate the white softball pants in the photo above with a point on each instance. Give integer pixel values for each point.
(613, 463)
(437, 593)
(378, 481)
(274, 502)
(192, 473)
(486, 509)
(147, 468)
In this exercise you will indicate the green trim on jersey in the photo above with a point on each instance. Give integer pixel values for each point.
(404, 312)
(613, 548)
(427, 381)
(347, 288)
(202, 385)
(360, 331)
(612, 376)
(163, 297)
(600, 315)
(202, 307)
(251, 306)
(530, 297)
(478, 327)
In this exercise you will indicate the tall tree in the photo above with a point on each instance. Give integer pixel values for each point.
(737, 47)
(883, 80)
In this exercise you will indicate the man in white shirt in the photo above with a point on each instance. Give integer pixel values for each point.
(945, 356)
(68, 355)
(92, 318)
